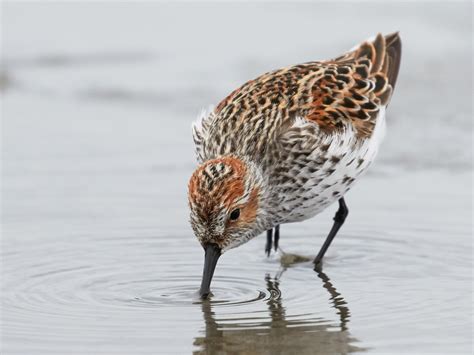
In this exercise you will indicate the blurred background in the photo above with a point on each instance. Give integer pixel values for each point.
(97, 254)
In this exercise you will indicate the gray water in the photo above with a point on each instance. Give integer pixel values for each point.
(97, 255)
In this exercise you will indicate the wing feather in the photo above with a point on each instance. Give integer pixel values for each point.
(347, 92)
(355, 86)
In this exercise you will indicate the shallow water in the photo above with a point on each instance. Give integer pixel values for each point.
(97, 254)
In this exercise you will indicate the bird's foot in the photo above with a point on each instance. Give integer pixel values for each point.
(318, 264)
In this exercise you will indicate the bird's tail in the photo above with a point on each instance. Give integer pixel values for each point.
(381, 56)
(393, 55)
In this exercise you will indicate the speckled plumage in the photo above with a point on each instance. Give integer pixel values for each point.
(287, 144)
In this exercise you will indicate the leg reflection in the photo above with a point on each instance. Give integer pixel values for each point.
(339, 303)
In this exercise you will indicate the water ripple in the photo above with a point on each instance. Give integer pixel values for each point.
(116, 283)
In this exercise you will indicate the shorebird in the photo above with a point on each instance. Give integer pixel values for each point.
(286, 145)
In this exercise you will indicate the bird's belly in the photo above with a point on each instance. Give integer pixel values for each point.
(317, 189)
(310, 200)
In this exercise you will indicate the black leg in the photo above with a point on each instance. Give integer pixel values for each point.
(268, 247)
(339, 219)
(270, 240)
(277, 236)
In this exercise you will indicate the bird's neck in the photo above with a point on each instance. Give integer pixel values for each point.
(268, 209)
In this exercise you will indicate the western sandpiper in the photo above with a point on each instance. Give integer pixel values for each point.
(286, 145)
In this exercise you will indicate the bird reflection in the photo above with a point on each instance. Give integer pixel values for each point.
(278, 333)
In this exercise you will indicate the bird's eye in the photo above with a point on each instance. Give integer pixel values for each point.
(235, 214)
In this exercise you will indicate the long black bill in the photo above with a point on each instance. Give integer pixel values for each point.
(213, 252)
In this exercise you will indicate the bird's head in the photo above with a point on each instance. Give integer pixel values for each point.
(225, 200)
